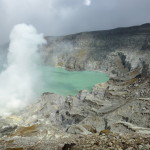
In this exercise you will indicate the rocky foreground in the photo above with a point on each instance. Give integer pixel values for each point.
(104, 141)
(113, 116)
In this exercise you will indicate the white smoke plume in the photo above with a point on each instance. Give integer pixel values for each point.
(18, 82)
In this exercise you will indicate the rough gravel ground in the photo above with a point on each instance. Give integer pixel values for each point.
(104, 141)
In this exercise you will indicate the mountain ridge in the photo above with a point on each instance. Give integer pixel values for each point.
(136, 27)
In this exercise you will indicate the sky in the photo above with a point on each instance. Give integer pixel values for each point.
(63, 17)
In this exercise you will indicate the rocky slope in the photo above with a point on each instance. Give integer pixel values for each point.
(114, 115)
(116, 51)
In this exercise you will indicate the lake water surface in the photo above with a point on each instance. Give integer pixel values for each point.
(63, 82)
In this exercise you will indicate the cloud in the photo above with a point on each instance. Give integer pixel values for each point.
(87, 2)
(61, 17)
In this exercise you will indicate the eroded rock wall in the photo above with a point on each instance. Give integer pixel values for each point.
(116, 51)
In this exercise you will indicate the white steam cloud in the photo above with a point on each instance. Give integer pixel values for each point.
(87, 2)
(18, 82)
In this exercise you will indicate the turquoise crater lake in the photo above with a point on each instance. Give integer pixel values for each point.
(63, 82)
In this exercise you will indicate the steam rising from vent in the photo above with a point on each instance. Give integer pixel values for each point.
(18, 82)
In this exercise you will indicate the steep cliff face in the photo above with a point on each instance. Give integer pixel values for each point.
(116, 51)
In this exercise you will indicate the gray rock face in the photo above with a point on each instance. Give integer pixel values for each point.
(6, 127)
(109, 106)
(114, 51)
